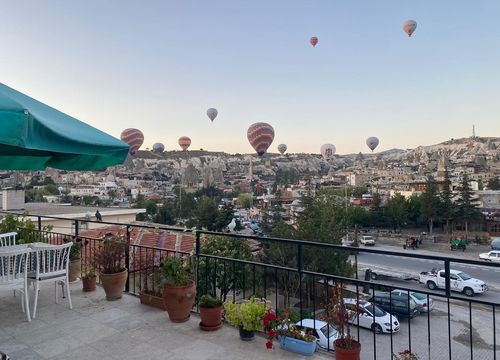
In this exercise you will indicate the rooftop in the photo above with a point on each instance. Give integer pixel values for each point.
(123, 329)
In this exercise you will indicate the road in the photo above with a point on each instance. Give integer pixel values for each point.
(491, 276)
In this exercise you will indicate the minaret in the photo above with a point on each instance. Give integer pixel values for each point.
(473, 131)
(250, 169)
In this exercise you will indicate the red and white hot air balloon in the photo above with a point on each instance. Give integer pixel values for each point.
(134, 138)
(313, 41)
(184, 142)
(409, 27)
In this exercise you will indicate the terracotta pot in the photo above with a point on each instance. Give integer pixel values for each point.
(341, 353)
(113, 284)
(152, 300)
(179, 301)
(211, 317)
(89, 283)
(246, 335)
(75, 267)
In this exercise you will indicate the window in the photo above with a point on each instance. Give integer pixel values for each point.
(464, 276)
(454, 277)
(328, 330)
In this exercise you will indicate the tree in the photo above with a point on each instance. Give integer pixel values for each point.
(446, 211)
(206, 213)
(224, 217)
(358, 215)
(395, 210)
(494, 183)
(465, 207)
(413, 206)
(166, 214)
(245, 200)
(430, 202)
(225, 275)
(377, 211)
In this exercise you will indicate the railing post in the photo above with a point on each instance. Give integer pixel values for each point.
(127, 260)
(299, 258)
(76, 228)
(39, 224)
(447, 278)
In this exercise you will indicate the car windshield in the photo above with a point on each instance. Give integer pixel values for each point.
(328, 330)
(419, 296)
(464, 276)
(378, 311)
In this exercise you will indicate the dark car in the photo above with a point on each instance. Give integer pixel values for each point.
(396, 304)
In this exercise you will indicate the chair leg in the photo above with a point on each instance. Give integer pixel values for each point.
(68, 293)
(22, 301)
(55, 291)
(27, 301)
(37, 290)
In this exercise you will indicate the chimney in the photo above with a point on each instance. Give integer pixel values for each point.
(12, 199)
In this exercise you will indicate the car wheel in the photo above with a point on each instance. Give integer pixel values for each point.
(431, 285)
(374, 276)
(468, 292)
(377, 328)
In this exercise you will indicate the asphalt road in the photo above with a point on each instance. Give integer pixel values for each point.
(491, 276)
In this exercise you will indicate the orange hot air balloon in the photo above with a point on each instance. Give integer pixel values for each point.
(184, 142)
(260, 135)
(313, 41)
(409, 27)
(133, 137)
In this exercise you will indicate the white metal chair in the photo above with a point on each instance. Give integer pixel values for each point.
(14, 272)
(51, 263)
(8, 239)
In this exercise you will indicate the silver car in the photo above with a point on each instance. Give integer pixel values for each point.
(419, 298)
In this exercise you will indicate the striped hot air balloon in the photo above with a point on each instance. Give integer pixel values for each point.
(260, 135)
(134, 138)
(184, 142)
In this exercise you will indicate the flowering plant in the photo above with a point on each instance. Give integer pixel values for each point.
(278, 326)
(405, 355)
(338, 314)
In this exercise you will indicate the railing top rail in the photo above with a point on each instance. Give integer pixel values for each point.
(439, 258)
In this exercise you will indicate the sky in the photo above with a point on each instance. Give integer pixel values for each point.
(159, 65)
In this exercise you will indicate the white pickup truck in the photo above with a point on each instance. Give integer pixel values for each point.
(459, 281)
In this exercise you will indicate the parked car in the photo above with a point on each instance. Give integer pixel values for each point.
(419, 298)
(324, 333)
(397, 304)
(367, 240)
(495, 243)
(459, 281)
(493, 255)
(372, 317)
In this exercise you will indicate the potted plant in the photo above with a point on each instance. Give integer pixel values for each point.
(179, 292)
(247, 316)
(336, 312)
(290, 337)
(75, 262)
(405, 355)
(210, 312)
(89, 278)
(111, 262)
(151, 292)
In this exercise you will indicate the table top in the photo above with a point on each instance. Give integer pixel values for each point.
(32, 246)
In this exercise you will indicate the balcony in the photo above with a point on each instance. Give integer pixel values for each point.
(459, 327)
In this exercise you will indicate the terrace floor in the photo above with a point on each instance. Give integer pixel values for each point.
(123, 329)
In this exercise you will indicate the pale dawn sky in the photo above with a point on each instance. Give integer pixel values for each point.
(158, 66)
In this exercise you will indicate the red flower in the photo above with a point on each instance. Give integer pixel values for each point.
(271, 333)
(269, 344)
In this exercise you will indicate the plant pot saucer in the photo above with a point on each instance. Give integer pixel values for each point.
(210, 328)
(75, 281)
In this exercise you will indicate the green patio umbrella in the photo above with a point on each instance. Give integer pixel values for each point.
(34, 136)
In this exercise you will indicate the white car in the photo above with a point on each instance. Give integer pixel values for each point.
(419, 298)
(493, 255)
(324, 333)
(372, 317)
(459, 281)
(367, 240)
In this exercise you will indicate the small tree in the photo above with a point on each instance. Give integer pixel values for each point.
(396, 211)
(245, 200)
(466, 210)
(430, 202)
(494, 183)
(446, 210)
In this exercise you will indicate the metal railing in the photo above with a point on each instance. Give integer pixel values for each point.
(458, 328)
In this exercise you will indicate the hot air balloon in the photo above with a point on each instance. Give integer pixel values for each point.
(328, 150)
(158, 148)
(184, 142)
(212, 114)
(282, 148)
(313, 41)
(409, 27)
(260, 135)
(134, 138)
(372, 142)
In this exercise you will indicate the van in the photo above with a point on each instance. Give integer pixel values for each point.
(367, 240)
(397, 304)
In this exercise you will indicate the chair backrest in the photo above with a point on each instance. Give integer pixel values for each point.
(51, 259)
(8, 239)
(13, 265)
